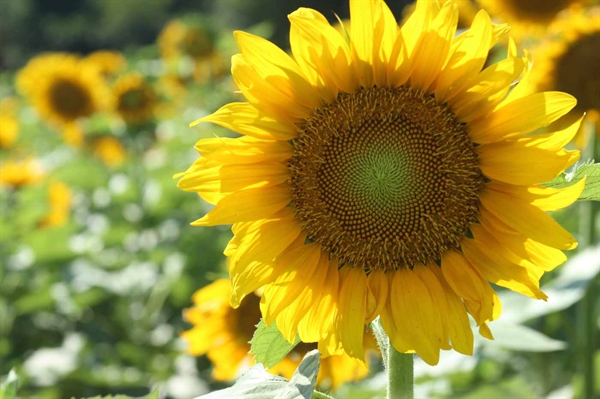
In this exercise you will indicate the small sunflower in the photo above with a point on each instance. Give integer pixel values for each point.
(135, 99)
(9, 125)
(192, 39)
(63, 87)
(60, 199)
(223, 333)
(527, 17)
(109, 62)
(569, 60)
(109, 149)
(389, 175)
(20, 173)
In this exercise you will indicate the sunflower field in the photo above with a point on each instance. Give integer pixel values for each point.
(300, 199)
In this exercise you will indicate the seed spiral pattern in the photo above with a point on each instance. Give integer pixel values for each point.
(385, 178)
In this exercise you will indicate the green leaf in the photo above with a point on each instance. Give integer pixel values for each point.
(8, 389)
(520, 338)
(258, 384)
(304, 379)
(269, 346)
(591, 170)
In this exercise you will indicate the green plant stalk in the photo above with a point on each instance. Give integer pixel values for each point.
(400, 374)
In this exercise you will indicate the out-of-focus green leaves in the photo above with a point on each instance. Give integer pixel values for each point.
(8, 388)
(151, 395)
(269, 346)
(589, 170)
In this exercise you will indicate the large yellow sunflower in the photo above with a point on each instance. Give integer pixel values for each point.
(528, 17)
(135, 99)
(63, 87)
(569, 60)
(387, 175)
(223, 333)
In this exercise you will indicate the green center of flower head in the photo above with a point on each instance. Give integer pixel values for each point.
(385, 178)
(197, 43)
(70, 99)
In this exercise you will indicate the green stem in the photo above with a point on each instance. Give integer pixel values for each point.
(400, 374)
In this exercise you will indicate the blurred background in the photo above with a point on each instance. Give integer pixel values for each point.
(98, 260)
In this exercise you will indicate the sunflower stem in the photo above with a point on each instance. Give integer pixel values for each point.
(400, 374)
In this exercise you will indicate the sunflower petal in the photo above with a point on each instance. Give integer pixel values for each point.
(352, 309)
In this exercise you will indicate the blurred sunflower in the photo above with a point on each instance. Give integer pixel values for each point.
(569, 61)
(135, 99)
(109, 62)
(63, 87)
(20, 173)
(191, 39)
(385, 176)
(223, 334)
(60, 200)
(527, 17)
(9, 125)
(109, 149)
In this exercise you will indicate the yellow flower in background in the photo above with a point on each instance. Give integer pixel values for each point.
(109, 149)
(20, 173)
(569, 60)
(223, 334)
(390, 176)
(109, 62)
(527, 17)
(60, 199)
(63, 87)
(191, 40)
(9, 125)
(135, 99)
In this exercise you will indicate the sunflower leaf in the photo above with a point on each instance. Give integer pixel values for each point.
(8, 389)
(269, 346)
(304, 379)
(589, 169)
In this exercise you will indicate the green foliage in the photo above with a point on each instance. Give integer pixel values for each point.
(8, 389)
(258, 384)
(588, 170)
(151, 395)
(269, 346)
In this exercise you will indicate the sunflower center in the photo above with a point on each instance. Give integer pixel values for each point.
(385, 178)
(197, 43)
(133, 99)
(577, 73)
(70, 100)
(246, 317)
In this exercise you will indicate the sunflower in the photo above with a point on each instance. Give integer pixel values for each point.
(109, 149)
(387, 175)
(63, 87)
(528, 17)
(193, 40)
(109, 62)
(9, 125)
(223, 333)
(135, 99)
(20, 173)
(60, 199)
(569, 61)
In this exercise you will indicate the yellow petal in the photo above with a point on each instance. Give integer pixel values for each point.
(246, 205)
(363, 17)
(352, 308)
(321, 316)
(545, 198)
(274, 93)
(527, 219)
(514, 163)
(466, 58)
(377, 284)
(483, 255)
(432, 50)
(244, 150)
(299, 266)
(275, 66)
(318, 47)
(553, 141)
(438, 297)
(521, 116)
(245, 118)
(413, 308)
(484, 331)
